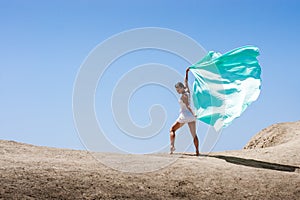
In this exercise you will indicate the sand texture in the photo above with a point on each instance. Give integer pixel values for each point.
(267, 168)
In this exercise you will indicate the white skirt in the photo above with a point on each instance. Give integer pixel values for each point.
(186, 116)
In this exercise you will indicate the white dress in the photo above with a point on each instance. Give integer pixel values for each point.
(185, 115)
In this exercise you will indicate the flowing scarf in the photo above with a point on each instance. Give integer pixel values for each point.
(225, 85)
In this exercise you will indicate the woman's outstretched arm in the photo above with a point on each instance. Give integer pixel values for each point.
(186, 84)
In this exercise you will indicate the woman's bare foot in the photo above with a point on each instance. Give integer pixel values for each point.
(172, 149)
(197, 153)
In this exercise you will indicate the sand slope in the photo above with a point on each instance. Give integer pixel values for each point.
(32, 172)
(279, 143)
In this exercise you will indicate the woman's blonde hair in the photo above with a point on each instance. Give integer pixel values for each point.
(179, 84)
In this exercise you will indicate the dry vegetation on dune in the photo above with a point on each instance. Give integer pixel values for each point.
(268, 168)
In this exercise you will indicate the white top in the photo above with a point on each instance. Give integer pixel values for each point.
(185, 115)
(182, 104)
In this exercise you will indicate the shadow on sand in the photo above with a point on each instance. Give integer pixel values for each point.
(250, 162)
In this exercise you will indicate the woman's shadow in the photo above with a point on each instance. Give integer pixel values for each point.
(250, 162)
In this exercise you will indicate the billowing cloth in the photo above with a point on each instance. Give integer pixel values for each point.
(225, 85)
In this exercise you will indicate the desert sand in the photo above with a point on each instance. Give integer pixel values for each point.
(267, 168)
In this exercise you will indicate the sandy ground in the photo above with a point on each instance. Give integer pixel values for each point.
(268, 168)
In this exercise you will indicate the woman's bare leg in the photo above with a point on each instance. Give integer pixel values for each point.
(192, 126)
(174, 128)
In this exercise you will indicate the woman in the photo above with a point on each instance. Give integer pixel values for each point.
(186, 114)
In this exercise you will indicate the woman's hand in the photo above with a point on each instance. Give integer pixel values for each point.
(187, 70)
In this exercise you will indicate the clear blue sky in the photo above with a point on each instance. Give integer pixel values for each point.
(43, 44)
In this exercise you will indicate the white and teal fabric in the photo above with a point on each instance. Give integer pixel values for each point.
(225, 85)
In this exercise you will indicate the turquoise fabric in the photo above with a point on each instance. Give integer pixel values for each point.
(225, 85)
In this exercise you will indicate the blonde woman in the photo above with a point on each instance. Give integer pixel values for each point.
(186, 114)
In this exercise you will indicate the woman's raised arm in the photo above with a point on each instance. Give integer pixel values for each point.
(186, 84)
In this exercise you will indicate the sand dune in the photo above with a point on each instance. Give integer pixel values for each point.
(279, 143)
(267, 168)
